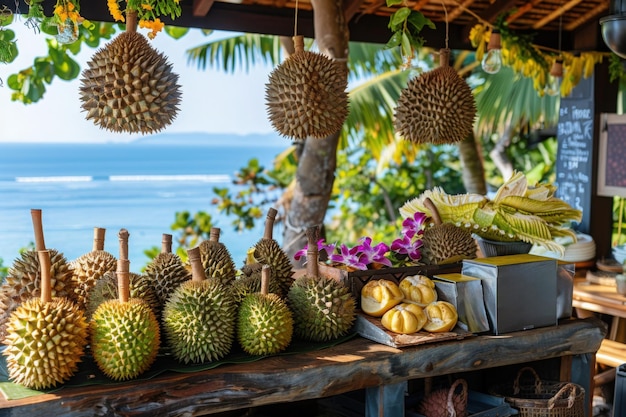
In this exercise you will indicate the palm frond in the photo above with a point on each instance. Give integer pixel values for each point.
(243, 51)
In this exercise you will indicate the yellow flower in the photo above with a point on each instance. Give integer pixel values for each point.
(146, 6)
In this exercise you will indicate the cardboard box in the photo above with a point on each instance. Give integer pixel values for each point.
(520, 291)
(466, 294)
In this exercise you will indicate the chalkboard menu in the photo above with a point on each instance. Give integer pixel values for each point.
(575, 132)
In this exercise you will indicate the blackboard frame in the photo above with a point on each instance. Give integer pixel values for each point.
(610, 187)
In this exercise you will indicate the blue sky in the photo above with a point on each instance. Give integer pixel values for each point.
(212, 101)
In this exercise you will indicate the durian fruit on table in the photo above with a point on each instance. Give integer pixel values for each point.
(23, 280)
(323, 308)
(249, 281)
(199, 318)
(45, 336)
(446, 243)
(166, 271)
(125, 334)
(87, 269)
(267, 251)
(264, 321)
(216, 259)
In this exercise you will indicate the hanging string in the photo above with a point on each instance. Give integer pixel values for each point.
(560, 27)
(295, 24)
(445, 11)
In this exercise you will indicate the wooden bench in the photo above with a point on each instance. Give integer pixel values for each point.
(611, 353)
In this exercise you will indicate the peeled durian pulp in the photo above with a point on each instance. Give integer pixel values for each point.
(166, 271)
(23, 280)
(216, 259)
(306, 94)
(264, 321)
(45, 336)
(87, 269)
(323, 308)
(129, 323)
(436, 107)
(129, 86)
(267, 251)
(199, 317)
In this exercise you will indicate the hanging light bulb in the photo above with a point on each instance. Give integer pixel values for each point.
(492, 61)
(553, 86)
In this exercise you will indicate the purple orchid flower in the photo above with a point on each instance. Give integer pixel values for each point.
(405, 246)
(349, 257)
(321, 246)
(374, 254)
(413, 225)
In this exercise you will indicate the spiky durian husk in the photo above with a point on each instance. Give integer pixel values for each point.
(107, 289)
(435, 404)
(323, 308)
(268, 252)
(165, 273)
(447, 243)
(87, 270)
(437, 107)
(264, 324)
(23, 281)
(125, 338)
(45, 342)
(217, 261)
(199, 321)
(130, 87)
(306, 96)
(248, 284)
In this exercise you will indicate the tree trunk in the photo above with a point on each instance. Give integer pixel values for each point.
(498, 153)
(316, 169)
(472, 163)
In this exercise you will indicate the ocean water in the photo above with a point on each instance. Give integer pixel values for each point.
(136, 186)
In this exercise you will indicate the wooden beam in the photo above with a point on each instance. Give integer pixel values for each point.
(586, 17)
(350, 8)
(462, 7)
(522, 10)
(201, 7)
(558, 12)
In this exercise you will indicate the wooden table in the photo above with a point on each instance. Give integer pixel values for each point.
(602, 299)
(353, 365)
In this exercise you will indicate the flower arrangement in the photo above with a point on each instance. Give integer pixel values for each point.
(148, 12)
(403, 250)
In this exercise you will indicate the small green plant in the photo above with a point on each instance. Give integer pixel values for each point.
(406, 26)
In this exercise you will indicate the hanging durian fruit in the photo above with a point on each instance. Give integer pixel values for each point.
(87, 269)
(306, 94)
(166, 271)
(46, 336)
(129, 86)
(199, 318)
(264, 322)
(130, 323)
(23, 280)
(323, 308)
(267, 251)
(445, 242)
(436, 107)
(216, 259)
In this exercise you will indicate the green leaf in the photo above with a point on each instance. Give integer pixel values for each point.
(399, 17)
(176, 32)
(393, 2)
(418, 21)
(406, 45)
(394, 41)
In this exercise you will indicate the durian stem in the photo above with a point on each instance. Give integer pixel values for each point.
(123, 280)
(434, 213)
(166, 243)
(44, 266)
(269, 223)
(197, 270)
(214, 235)
(40, 244)
(123, 237)
(131, 21)
(312, 254)
(265, 279)
(298, 43)
(444, 57)
(98, 238)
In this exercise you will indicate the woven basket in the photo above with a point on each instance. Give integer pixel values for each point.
(543, 398)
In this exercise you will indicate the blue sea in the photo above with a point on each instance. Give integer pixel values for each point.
(138, 186)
